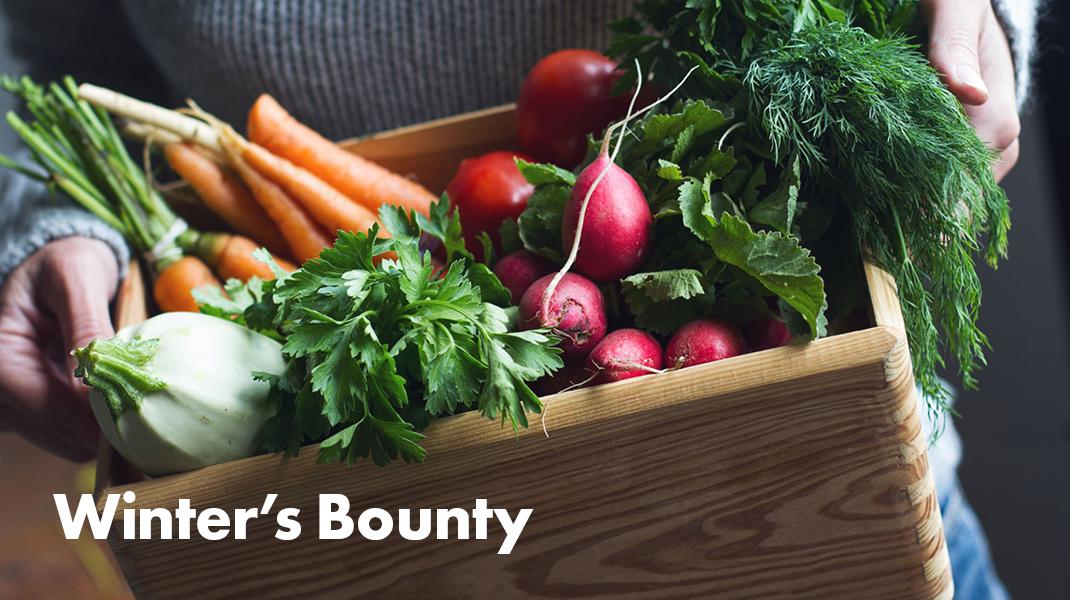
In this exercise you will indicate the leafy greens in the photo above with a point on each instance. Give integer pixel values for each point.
(378, 342)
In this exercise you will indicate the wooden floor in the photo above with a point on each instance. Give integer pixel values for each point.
(36, 562)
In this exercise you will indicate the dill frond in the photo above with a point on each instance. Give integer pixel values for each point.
(878, 130)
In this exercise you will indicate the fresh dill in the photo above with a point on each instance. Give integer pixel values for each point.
(838, 86)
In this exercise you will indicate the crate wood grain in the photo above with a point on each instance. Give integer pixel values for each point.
(794, 472)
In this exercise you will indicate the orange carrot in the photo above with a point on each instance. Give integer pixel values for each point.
(174, 285)
(304, 235)
(225, 196)
(328, 206)
(359, 179)
(231, 256)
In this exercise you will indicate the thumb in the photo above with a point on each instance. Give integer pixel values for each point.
(954, 36)
(86, 318)
(77, 287)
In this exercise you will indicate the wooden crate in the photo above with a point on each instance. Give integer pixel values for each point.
(798, 471)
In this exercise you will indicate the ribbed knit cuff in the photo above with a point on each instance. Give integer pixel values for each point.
(47, 221)
(1019, 20)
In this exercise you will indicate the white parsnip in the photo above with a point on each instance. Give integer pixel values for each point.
(152, 135)
(141, 132)
(185, 127)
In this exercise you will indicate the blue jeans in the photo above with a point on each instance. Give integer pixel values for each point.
(971, 563)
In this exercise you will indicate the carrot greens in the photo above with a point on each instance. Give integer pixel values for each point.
(82, 155)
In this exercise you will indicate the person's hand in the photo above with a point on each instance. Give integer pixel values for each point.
(968, 47)
(55, 301)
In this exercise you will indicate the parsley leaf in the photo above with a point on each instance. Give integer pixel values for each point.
(377, 348)
(444, 225)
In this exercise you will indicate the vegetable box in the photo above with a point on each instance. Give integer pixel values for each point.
(796, 471)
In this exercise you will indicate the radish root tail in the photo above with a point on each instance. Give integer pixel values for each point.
(632, 365)
(598, 369)
(569, 388)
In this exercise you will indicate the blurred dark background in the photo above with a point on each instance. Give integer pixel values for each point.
(1016, 429)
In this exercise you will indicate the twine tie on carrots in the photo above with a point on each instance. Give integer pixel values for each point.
(165, 249)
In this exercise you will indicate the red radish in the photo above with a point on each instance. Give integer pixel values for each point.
(565, 98)
(593, 177)
(575, 310)
(623, 354)
(765, 333)
(571, 376)
(438, 268)
(517, 271)
(487, 190)
(703, 341)
(617, 227)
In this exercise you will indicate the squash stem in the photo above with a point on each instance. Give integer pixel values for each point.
(119, 370)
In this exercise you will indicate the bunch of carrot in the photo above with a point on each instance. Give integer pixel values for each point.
(286, 186)
(76, 149)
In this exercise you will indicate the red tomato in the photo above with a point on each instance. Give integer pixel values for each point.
(487, 190)
(566, 97)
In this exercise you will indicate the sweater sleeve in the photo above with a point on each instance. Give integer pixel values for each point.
(31, 217)
(1019, 19)
(49, 39)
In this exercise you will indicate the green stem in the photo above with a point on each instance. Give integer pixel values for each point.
(904, 253)
(79, 147)
(91, 203)
(7, 163)
(41, 147)
(89, 115)
(119, 370)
